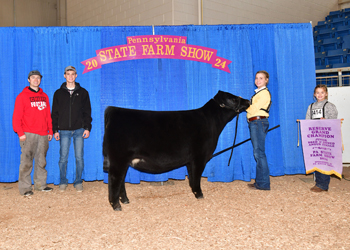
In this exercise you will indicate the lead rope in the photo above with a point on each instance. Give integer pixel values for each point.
(234, 141)
(298, 121)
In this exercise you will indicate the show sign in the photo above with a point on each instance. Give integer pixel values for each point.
(156, 46)
(322, 146)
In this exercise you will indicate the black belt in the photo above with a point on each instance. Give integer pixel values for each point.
(256, 118)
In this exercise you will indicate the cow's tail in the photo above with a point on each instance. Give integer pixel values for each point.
(105, 157)
(107, 116)
(105, 164)
(105, 141)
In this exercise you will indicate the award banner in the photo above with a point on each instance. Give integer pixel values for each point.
(156, 46)
(322, 146)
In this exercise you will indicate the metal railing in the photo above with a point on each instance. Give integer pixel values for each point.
(333, 77)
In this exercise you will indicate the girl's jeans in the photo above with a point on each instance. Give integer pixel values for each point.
(322, 180)
(258, 130)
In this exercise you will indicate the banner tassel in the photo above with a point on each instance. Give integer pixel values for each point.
(298, 121)
(341, 134)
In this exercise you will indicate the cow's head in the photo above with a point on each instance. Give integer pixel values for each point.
(229, 101)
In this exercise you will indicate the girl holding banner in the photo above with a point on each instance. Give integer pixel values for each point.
(321, 109)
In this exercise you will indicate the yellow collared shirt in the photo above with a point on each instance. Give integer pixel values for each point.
(261, 100)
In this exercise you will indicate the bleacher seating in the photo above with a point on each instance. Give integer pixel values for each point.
(346, 12)
(334, 14)
(336, 56)
(326, 33)
(323, 66)
(322, 25)
(341, 65)
(336, 22)
(332, 40)
(319, 58)
(331, 43)
(346, 42)
(343, 30)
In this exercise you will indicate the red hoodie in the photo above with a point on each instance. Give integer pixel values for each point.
(32, 113)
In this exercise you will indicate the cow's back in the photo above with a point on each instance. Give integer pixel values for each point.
(168, 138)
(155, 127)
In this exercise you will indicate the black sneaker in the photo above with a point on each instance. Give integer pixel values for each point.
(28, 193)
(47, 189)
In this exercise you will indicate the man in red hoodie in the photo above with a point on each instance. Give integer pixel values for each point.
(32, 122)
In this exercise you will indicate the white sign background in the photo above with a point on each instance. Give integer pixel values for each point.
(340, 97)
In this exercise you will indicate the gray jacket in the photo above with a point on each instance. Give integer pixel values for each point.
(329, 109)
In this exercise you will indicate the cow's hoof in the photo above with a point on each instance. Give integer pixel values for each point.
(125, 201)
(199, 196)
(117, 208)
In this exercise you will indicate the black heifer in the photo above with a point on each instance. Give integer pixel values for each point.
(160, 141)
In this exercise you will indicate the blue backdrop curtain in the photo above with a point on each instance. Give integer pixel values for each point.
(284, 50)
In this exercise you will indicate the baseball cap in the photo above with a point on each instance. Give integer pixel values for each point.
(70, 68)
(34, 72)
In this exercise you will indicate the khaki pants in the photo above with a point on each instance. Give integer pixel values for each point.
(34, 147)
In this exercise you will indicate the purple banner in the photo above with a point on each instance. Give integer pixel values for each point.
(322, 146)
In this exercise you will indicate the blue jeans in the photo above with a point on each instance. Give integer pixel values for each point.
(322, 180)
(78, 142)
(258, 130)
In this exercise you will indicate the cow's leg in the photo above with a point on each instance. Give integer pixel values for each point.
(195, 171)
(123, 198)
(189, 170)
(116, 186)
(113, 193)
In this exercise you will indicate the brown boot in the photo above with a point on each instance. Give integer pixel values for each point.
(317, 189)
(251, 186)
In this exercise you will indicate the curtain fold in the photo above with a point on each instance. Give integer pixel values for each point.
(295, 72)
(283, 50)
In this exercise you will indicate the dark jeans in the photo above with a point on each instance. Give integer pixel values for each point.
(322, 180)
(258, 130)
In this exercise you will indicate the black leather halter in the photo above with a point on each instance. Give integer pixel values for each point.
(222, 105)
